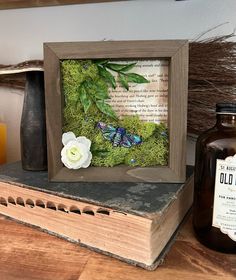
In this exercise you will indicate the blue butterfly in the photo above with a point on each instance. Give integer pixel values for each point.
(118, 136)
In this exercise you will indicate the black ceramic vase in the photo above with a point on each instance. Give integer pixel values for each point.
(33, 124)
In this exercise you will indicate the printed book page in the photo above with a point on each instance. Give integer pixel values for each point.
(149, 100)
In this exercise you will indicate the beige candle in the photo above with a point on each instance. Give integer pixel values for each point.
(3, 140)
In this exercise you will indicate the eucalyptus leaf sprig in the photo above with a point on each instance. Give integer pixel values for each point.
(123, 77)
(92, 92)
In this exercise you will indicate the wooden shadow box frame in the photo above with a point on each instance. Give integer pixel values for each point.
(176, 51)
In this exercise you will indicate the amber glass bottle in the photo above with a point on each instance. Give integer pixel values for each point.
(214, 214)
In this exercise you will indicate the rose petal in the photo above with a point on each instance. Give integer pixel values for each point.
(64, 158)
(88, 161)
(85, 141)
(67, 137)
(74, 164)
(69, 164)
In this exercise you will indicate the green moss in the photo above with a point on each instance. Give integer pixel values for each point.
(135, 126)
(150, 153)
(111, 158)
(154, 148)
(74, 73)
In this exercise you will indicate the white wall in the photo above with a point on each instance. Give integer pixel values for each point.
(23, 31)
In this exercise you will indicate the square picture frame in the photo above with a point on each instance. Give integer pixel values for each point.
(175, 51)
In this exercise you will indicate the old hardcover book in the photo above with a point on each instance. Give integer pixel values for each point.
(134, 222)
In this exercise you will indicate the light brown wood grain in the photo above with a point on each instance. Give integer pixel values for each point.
(14, 75)
(16, 81)
(29, 254)
(26, 66)
(13, 4)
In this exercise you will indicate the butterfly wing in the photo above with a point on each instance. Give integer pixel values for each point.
(108, 131)
(125, 142)
(134, 139)
(119, 136)
(109, 134)
(101, 125)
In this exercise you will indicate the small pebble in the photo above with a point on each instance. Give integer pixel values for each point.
(132, 160)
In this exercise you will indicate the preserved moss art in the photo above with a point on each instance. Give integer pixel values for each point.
(86, 91)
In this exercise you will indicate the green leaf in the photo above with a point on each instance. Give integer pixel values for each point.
(123, 81)
(101, 93)
(136, 78)
(120, 67)
(88, 84)
(128, 67)
(101, 61)
(106, 109)
(115, 67)
(107, 76)
(84, 99)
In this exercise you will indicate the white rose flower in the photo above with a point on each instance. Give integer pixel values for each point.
(76, 151)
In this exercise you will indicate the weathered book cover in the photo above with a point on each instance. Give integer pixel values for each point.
(135, 222)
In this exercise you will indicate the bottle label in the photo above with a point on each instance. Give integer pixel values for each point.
(224, 209)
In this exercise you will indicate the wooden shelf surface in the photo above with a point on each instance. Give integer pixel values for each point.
(30, 254)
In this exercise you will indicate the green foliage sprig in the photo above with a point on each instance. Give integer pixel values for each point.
(124, 78)
(95, 90)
